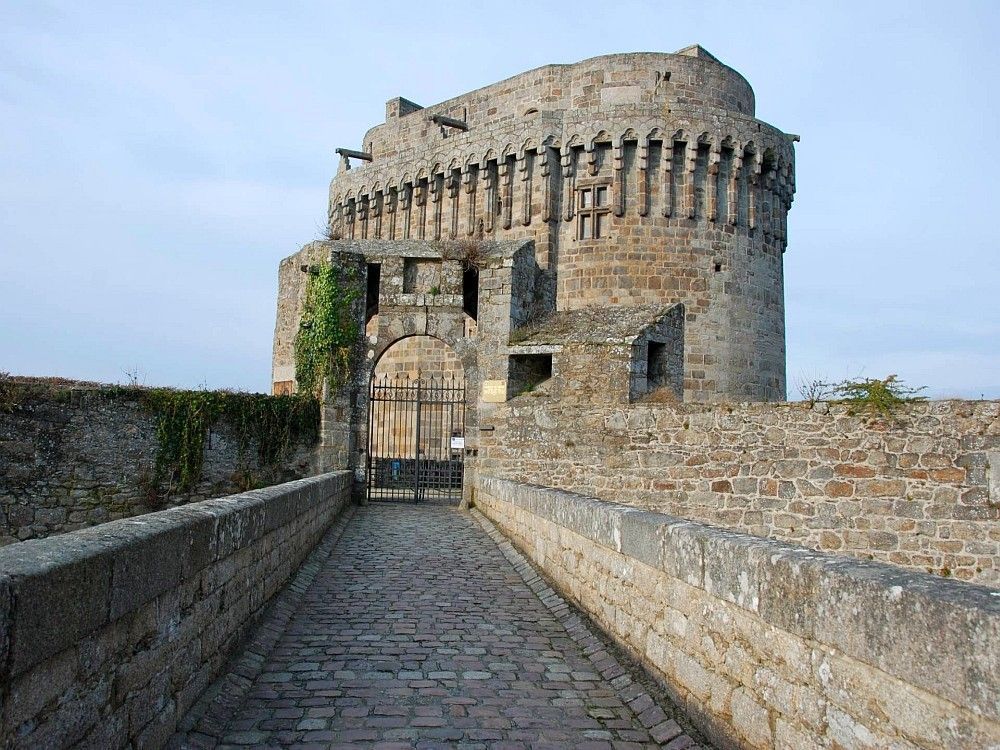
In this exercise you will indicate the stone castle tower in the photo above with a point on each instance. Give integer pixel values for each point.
(628, 199)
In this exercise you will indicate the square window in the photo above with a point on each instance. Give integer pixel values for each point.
(586, 199)
(586, 227)
(602, 196)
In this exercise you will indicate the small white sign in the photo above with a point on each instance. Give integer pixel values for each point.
(457, 443)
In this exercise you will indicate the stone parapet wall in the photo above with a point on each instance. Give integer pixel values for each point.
(921, 491)
(75, 458)
(769, 645)
(109, 634)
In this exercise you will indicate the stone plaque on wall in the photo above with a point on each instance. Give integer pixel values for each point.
(494, 391)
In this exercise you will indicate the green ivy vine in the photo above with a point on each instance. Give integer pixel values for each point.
(327, 330)
(270, 425)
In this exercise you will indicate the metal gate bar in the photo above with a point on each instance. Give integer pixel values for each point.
(416, 433)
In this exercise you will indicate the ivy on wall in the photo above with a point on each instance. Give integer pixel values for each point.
(327, 330)
(269, 425)
(265, 428)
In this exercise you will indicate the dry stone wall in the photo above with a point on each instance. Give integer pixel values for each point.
(921, 491)
(768, 645)
(108, 635)
(76, 458)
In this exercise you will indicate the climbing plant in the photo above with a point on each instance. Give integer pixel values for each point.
(327, 330)
(270, 425)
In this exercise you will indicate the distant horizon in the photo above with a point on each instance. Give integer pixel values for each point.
(167, 159)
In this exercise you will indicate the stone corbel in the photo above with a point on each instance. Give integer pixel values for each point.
(667, 160)
(469, 181)
(349, 217)
(618, 181)
(524, 167)
(643, 178)
(546, 170)
(569, 194)
(392, 203)
(489, 196)
(753, 185)
(714, 158)
(690, 164)
(507, 182)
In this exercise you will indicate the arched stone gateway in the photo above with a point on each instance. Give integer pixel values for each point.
(416, 423)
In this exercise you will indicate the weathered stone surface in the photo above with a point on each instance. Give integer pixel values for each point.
(677, 199)
(76, 458)
(112, 631)
(713, 464)
(419, 630)
(775, 646)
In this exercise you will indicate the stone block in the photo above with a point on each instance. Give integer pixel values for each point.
(732, 570)
(789, 583)
(61, 589)
(891, 619)
(151, 563)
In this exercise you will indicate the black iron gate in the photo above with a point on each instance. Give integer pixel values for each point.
(416, 442)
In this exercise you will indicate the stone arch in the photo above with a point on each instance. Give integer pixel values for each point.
(438, 367)
(418, 353)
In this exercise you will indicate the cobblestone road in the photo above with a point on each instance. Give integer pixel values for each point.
(418, 631)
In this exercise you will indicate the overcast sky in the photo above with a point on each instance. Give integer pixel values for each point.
(159, 159)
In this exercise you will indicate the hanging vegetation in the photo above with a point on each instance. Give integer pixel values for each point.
(327, 330)
(269, 425)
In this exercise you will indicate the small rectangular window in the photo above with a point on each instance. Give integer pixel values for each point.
(594, 213)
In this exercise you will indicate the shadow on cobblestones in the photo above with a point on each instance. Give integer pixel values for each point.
(421, 627)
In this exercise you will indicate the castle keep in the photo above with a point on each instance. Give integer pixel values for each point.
(628, 199)
(558, 299)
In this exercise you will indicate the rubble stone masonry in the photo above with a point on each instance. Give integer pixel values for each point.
(921, 491)
(768, 645)
(108, 635)
(81, 458)
(641, 178)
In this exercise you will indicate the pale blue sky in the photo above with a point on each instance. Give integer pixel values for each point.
(159, 159)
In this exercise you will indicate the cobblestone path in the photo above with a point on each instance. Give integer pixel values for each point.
(418, 631)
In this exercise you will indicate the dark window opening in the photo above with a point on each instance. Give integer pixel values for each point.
(657, 370)
(718, 267)
(470, 293)
(527, 371)
(371, 295)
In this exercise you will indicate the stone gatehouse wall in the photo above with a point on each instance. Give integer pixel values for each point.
(769, 645)
(922, 492)
(74, 458)
(108, 635)
(420, 355)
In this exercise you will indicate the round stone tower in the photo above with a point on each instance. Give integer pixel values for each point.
(642, 179)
